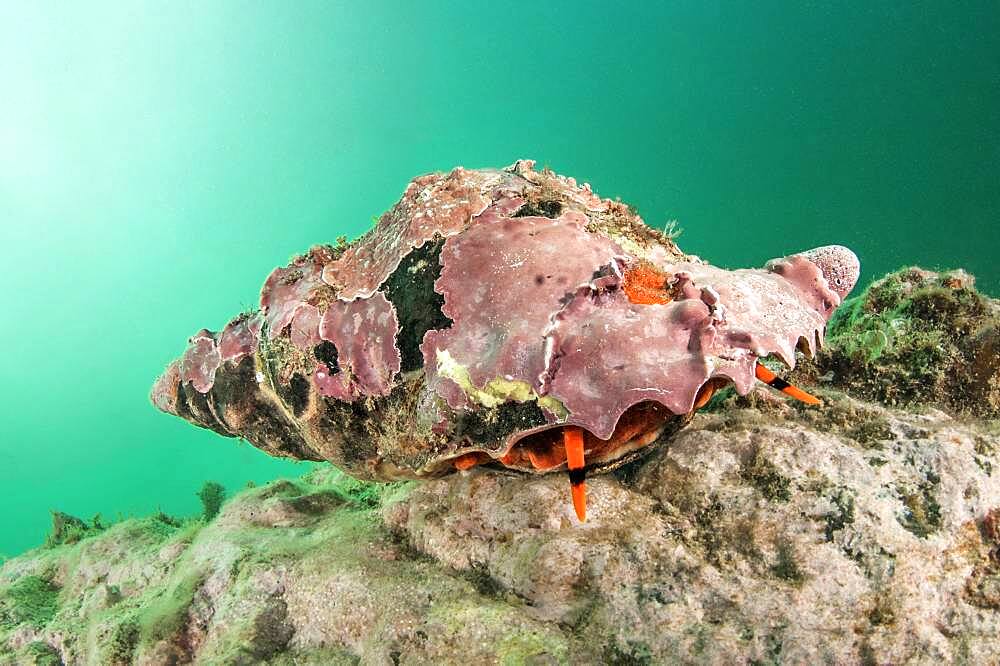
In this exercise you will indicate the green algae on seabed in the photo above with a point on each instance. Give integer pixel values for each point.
(70, 529)
(212, 495)
(786, 567)
(38, 653)
(325, 515)
(166, 611)
(518, 646)
(923, 513)
(29, 600)
(761, 473)
(36, 600)
(915, 336)
(157, 609)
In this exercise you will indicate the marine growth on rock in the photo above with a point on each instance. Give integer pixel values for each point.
(508, 318)
(916, 336)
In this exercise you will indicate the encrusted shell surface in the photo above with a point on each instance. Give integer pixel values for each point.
(484, 306)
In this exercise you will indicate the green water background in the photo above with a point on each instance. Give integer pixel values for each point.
(158, 160)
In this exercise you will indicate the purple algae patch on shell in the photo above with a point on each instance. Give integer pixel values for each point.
(430, 206)
(610, 353)
(239, 338)
(502, 281)
(200, 361)
(485, 307)
(364, 333)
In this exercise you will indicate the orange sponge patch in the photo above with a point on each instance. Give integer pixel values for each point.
(645, 284)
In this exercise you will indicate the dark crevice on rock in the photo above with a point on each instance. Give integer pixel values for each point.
(842, 515)
(484, 582)
(632, 653)
(272, 631)
(410, 289)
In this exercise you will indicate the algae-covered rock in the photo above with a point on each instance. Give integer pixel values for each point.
(863, 531)
(296, 572)
(765, 533)
(917, 336)
(761, 534)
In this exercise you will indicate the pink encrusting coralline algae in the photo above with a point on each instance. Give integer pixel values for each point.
(497, 317)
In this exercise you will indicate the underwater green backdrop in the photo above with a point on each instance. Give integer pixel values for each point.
(157, 160)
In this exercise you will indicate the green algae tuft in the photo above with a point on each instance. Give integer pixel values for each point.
(212, 495)
(915, 337)
(67, 529)
(30, 600)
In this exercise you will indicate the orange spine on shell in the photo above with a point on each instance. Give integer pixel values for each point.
(774, 381)
(573, 439)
